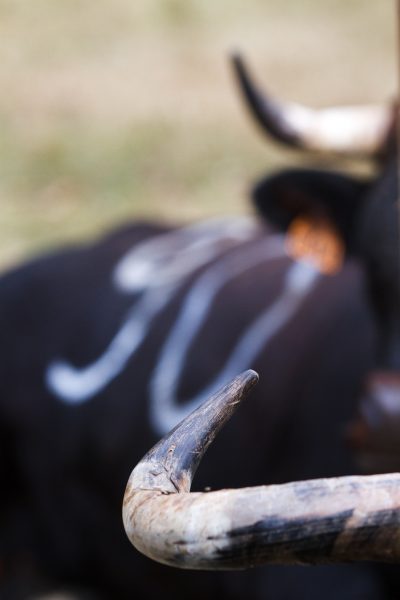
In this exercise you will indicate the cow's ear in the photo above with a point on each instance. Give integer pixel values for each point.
(290, 194)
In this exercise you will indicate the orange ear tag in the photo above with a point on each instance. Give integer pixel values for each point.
(316, 241)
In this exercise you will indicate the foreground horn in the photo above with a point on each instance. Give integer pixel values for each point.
(363, 131)
(320, 521)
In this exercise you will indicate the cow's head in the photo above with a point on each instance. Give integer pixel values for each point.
(309, 522)
(337, 214)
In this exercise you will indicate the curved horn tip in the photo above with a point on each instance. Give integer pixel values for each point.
(171, 464)
(235, 56)
(192, 436)
(238, 64)
(247, 380)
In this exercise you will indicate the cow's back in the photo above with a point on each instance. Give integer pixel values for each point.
(67, 450)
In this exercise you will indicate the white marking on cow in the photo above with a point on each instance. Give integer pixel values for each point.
(156, 268)
(165, 410)
(168, 258)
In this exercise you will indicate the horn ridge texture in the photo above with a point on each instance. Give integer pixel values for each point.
(342, 519)
(354, 131)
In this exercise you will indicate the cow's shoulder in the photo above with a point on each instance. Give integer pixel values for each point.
(74, 260)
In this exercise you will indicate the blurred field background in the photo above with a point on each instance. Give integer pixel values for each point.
(112, 110)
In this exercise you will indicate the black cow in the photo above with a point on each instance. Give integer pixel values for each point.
(107, 346)
(309, 522)
(366, 216)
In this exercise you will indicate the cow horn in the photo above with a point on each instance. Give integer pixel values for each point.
(320, 521)
(358, 131)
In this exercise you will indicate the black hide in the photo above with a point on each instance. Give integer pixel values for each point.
(64, 467)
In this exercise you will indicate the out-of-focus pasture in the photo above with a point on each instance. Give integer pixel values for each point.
(115, 110)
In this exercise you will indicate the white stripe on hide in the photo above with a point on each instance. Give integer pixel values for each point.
(299, 281)
(156, 268)
(169, 257)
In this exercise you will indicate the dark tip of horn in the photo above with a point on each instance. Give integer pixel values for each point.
(266, 112)
(236, 59)
(242, 75)
(181, 451)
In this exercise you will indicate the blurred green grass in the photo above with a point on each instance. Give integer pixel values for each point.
(115, 110)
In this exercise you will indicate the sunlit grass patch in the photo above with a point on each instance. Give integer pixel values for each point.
(73, 182)
(113, 110)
